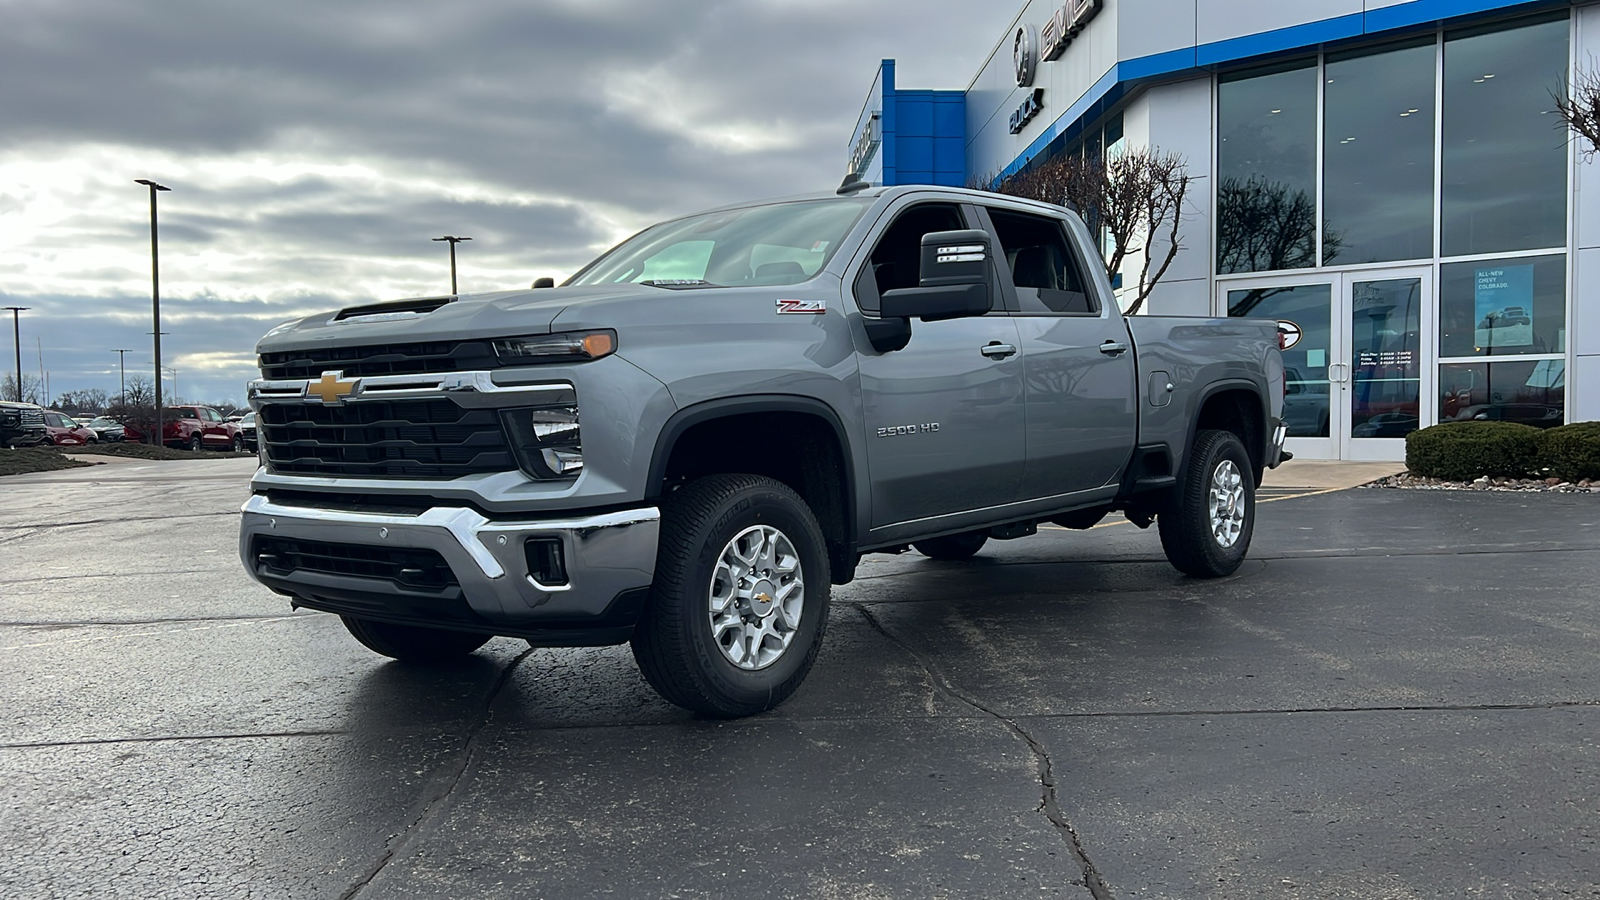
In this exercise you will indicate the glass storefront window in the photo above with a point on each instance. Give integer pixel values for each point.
(1307, 396)
(1533, 392)
(1267, 169)
(1378, 135)
(1503, 307)
(1505, 159)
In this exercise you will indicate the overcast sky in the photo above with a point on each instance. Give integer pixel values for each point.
(313, 148)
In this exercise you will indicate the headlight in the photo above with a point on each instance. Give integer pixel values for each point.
(547, 440)
(571, 346)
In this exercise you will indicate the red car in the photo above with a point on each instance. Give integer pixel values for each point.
(195, 427)
(63, 432)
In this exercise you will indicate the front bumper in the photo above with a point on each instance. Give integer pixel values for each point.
(609, 561)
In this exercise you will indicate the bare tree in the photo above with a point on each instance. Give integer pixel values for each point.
(1135, 197)
(89, 401)
(32, 389)
(136, 408)
(1579, 109)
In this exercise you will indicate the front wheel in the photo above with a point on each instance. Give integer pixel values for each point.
(1206, 529)
(740, 597)
(413, 643)
(238, 444)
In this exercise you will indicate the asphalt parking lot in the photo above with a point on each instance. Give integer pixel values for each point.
(1396, 697)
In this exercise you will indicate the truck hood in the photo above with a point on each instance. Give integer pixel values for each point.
(440, 319)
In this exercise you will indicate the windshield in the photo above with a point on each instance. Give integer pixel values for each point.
(784, 243)
(103, 422)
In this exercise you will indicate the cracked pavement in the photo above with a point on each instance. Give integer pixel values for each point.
(1396, 697)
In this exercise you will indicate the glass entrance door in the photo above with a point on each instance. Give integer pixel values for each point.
(1304, 307)
(1357, 367)
(1382, 373)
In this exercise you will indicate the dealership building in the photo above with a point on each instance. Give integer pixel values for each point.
(1389, 178)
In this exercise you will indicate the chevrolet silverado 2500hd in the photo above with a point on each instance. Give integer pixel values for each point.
(685, 445)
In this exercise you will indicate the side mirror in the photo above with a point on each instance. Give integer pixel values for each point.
(544, 282)
(953, 279)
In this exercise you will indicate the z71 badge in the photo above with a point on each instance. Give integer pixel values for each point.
(802, 307)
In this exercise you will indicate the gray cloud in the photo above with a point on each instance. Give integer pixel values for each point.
(543, 129)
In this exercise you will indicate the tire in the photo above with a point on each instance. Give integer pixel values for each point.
(413, 643)
(1198, 542)
(709, 668)
(953, 546)
(238, 444)
(195, 444)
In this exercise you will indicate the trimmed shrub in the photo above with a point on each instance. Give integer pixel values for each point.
(1572, 452)
(1461, 451)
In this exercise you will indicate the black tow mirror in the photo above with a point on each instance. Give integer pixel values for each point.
(953, 279)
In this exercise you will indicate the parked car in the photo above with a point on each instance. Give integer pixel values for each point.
(194, 428)
(63, 432)
(1539, 415)
(247, 430)
(22, 425)
(109, 429)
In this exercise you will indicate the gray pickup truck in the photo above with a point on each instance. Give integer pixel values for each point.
(685, 445)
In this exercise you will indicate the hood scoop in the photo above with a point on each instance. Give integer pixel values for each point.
(389, 311)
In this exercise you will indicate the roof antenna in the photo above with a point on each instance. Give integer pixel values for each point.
(852, 183)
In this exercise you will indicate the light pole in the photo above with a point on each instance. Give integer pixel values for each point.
(175, 397)
(155, 295)
(122, 375)
(16, 335)
(453, 242)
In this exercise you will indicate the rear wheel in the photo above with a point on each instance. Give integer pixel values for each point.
(413, 643)
(194, 444)
(740, 597)
(953, 546)
(1206, 529)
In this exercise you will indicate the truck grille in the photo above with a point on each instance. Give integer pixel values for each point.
(382, 359)
(383, 439)
(401, 565)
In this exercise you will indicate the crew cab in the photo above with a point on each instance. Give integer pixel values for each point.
(194, 428)
(688, 442)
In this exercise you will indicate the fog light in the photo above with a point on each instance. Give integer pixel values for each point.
(547, 564)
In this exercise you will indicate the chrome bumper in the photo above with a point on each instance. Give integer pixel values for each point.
(606, 555)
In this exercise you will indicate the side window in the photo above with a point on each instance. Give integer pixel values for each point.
(1044, 269)
(897, 258)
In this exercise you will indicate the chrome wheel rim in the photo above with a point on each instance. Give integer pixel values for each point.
(757, 594)
(1227, 503)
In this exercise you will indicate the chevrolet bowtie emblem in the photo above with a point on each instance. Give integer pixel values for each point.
(330, 388)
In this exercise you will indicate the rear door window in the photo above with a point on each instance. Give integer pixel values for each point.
(1044, 269)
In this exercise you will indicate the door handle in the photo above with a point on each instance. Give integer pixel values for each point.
(1112, 348)
(997, 350)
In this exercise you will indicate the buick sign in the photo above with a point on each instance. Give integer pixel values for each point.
(1029, 108)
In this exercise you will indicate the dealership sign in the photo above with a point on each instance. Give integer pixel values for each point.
(866, 145)
(1068, 21)
(1029, 108)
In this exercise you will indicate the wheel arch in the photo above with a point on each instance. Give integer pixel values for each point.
(818, 463)
(1236, 405)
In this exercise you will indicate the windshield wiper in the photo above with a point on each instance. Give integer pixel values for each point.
(677, 283)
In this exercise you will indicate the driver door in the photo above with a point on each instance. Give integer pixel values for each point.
(944, 414)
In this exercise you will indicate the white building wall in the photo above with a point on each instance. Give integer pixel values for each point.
(1583, 380)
